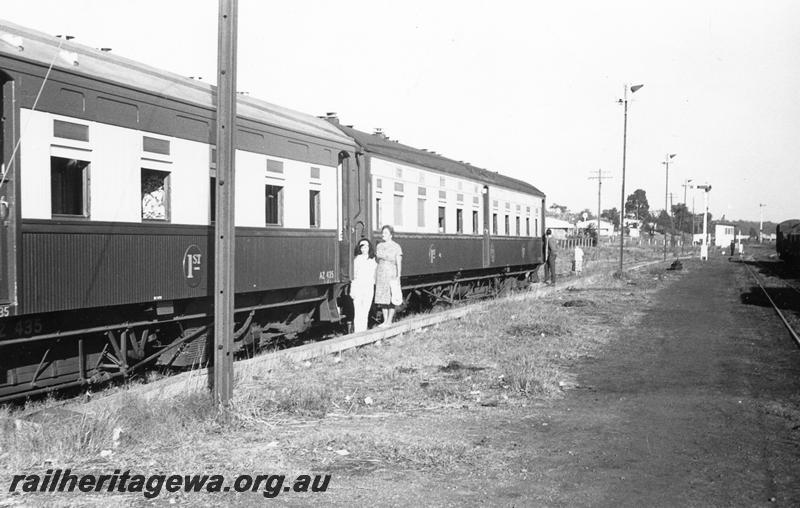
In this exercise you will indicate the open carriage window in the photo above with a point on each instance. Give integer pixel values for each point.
(155, 195)
(69, 186)
(314, 205)
(273, 205)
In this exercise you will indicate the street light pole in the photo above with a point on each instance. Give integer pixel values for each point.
(761, 222)
(667, 158)
(624, 102)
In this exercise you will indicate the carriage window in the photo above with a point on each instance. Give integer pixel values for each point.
(518, 229)
(527, 226)
(274, 166)
(313, 209)
(69, 186)
(155, 145)
(155, 195)
(494, 223)
(378, 214)
(398, 210)
(441, 219)
(508, 226)
(69, 130)
(274, 205)
(421, 212)
(459, 220)
(475, 222)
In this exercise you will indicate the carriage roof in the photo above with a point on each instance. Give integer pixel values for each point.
(22, 43)
(379, 144)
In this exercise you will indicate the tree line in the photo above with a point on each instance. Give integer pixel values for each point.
(681, 219)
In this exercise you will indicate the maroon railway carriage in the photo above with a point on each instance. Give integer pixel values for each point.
(465, 232)
(107, 210)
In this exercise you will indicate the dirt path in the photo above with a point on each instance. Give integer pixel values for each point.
(686, 409)
(696, 404)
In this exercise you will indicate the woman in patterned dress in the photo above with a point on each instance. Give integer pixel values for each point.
(387, 278)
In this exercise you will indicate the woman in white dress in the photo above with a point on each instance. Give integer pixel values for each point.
(362, 287)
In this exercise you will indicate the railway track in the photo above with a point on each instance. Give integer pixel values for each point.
(790, 321)
(320, 341)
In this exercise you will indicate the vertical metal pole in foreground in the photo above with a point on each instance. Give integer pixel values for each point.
(224, 231)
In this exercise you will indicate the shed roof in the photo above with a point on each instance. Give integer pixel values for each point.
(553, 223)
(379, 144)
(22, 43)
(593, 223)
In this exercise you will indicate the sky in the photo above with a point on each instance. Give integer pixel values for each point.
(530, 89)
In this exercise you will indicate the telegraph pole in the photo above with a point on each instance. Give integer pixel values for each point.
(668, 157)
(680, 222)
(704, 245)
(224, 229)
(599, 179)
(761, 222)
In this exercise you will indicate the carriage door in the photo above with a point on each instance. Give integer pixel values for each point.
(7, 182)
(487, 245)
(344, 191)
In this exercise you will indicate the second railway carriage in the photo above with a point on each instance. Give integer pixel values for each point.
(785, 245)
(106, 201)
(787, 241)
(465, 231)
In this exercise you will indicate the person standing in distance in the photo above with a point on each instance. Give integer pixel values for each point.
(362, 287)
(388, 294)
(578, 260)
(550, 255)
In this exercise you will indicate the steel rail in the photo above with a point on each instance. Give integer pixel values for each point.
(766, 267)
(775, 306)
